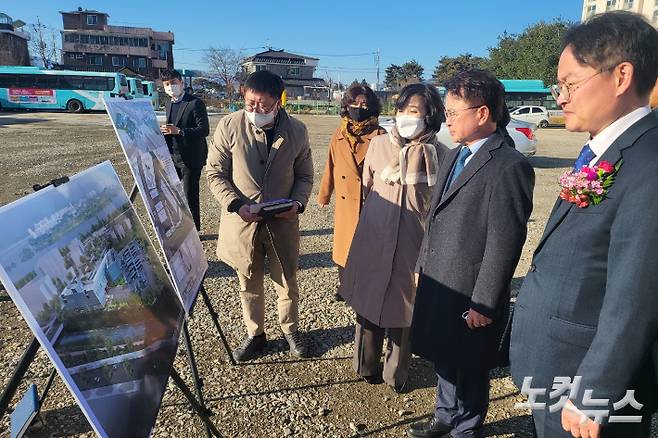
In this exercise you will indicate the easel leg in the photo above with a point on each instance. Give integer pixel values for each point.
(200, 410)
(19, 373)
(198, 382)
(215, 319)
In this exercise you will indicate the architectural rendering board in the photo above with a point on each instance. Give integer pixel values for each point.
(149, 159)
(77, 263)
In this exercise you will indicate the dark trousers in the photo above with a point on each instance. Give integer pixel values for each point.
(462, 400)
(190, 179)
(368, 345)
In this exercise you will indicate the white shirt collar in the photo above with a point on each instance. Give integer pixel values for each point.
(607, 136)
(474, 147)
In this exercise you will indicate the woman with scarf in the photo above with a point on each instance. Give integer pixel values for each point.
(342, 173)
(399, 176)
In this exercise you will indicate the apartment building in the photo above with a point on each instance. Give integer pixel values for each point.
(89, 43)
(648, 8)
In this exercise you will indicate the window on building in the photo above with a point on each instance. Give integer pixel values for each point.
(94, 39)
(84, 39)
(94, 60)
(72, 55)
(118, 61)
(104, 40)
(139, 62)
(612, 4)
(261, 67)
(628, 4)
(162, 49)
(79, 56)
(591, 10)
(293, 71)
(92, 19)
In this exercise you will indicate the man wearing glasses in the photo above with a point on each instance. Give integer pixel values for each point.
(262, 154)
(588, 308)
(474, 233)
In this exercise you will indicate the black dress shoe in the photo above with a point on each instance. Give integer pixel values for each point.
(250, 348)
(432, 428)
(400, 388)
(373, 380)
(297, 345)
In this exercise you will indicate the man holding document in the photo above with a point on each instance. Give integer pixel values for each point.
(259, 155)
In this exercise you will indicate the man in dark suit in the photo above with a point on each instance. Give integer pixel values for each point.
(589, 305)
(185, 132)
(475, 230)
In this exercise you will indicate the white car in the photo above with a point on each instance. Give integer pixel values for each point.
(523, 134)
(538, 115)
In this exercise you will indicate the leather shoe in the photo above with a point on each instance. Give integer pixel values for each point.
(432, 428)
(297, 345)
(250, 348)
(375, 379)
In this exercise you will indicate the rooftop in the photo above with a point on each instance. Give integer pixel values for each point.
(277, 54)
(85, 11)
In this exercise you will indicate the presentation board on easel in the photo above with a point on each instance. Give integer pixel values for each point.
(78, 264)
(161, 190)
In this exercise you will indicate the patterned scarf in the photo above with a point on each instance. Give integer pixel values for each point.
(354, 130)
(416, 163)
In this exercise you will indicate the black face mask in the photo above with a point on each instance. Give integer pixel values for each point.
(358, 114)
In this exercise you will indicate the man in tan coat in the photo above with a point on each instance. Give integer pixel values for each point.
(261, 154)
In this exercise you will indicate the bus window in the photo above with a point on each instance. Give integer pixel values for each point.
(70, 82)
(95, 84)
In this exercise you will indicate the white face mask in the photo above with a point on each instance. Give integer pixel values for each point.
(409, 126)
(261, 119)
(174, 90)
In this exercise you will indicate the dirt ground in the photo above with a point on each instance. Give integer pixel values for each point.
(274, 395)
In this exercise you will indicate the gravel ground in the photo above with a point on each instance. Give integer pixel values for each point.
(275, 395)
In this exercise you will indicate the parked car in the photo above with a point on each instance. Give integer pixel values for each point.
(523, 134)
(538, 115)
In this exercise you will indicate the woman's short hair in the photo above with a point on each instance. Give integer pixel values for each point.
(434, 109)
(374, 105)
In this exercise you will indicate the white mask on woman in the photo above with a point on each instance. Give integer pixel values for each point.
(261, 119)
(409, 126)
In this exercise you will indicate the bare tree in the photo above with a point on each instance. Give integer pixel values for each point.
(226, 64)
(43, 43)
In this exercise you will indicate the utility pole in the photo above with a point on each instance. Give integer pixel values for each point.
(377, 60)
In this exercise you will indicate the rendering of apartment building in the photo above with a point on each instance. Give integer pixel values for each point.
(89, 43)
(648, 8)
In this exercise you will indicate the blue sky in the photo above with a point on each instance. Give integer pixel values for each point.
(402, 30)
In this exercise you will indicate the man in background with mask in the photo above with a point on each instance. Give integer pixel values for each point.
(185, 132)
(256, 155)
(474, 233)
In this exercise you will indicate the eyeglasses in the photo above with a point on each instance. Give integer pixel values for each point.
(566, 90)
(253, 106)
(451, 113)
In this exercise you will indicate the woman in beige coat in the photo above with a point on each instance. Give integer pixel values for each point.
(399, 176)
(342, 172)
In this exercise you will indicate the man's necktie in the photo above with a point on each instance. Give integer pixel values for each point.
(459, 164)
(586, 155)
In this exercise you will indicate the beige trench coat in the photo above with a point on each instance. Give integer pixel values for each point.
(342, 174)
(239, 167)
(379, 276)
